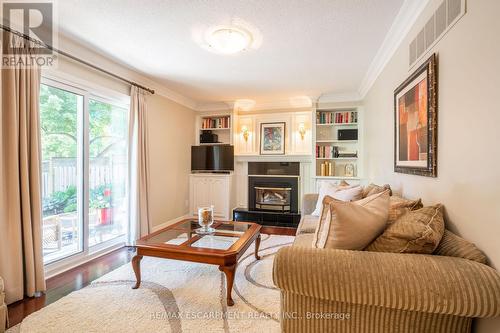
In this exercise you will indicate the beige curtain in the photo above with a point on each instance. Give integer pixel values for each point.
(21, 258)
(139, 215)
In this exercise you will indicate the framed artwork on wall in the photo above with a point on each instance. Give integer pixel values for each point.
(272, 138)
(415, 122)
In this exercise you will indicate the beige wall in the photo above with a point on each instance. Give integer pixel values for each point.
(171, 134)
(468, 182)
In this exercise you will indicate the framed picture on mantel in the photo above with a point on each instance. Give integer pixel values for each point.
(272, 138)
(415, 122)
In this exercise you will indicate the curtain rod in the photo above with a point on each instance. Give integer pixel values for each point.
(72, 57)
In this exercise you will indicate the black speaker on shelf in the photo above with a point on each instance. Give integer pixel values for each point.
(208, 137)
(347, 134)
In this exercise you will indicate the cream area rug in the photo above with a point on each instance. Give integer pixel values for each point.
(175, 296)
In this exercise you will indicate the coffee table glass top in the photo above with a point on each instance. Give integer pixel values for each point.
(184, 234)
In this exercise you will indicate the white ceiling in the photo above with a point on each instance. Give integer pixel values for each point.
(309, 47)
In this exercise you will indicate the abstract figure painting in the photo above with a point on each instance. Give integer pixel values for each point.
(415, 118)
(272, 138)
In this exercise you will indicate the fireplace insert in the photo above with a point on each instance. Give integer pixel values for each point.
(273, 186)
(273, 198)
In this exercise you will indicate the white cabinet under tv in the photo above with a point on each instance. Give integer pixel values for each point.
(206, 189)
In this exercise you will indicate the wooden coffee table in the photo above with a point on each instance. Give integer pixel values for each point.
(180, 241)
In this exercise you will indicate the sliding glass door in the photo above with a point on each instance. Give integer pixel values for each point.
(84, 170)
(61, 136)
(108, 128)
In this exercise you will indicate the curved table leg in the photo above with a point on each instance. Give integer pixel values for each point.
(136, 265)
(257, 245)
(229, 271)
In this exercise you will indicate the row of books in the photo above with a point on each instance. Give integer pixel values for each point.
(327, 169)
(347, 117)
(327, 151)
(222, 122)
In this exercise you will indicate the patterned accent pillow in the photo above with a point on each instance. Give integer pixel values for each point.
(374, 189)
(352, 225)
(418, 231)
(400, 206)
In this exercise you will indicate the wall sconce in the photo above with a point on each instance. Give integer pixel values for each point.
(244, 131)
(302, 130)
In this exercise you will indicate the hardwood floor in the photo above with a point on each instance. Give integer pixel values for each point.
(67, 282)
(81, 276)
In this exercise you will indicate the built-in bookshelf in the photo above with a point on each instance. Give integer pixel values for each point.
(218, 124)
(337, 149)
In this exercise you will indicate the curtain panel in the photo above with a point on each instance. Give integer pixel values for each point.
(21, 257)
(138, 182)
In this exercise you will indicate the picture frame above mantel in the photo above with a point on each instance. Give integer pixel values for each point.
(415, 122)
(272, 138)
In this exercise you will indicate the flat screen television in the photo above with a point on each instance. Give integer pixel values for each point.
(218, 158)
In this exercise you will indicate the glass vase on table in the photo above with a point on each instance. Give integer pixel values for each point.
(205, 220)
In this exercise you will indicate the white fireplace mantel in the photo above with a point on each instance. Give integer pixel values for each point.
(273, 158)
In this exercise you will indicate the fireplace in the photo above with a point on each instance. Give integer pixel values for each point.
(273, 186)
(273, 198)
(273, 195)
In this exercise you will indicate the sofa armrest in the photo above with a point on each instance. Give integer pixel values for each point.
(412, 282)
(309, 203)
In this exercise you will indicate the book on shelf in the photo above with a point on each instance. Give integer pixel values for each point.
(347, 117)
(215, 122)
(327, 169)
(336, 117)
(327, 151)
(347, 154)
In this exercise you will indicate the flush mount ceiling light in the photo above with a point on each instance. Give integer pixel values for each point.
(228, 39)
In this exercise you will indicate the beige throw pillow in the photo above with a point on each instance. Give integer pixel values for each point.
(418, 231)
(399, 206)
(372, 189)
(352, 225)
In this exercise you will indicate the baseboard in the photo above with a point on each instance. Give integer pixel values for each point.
(170, 222)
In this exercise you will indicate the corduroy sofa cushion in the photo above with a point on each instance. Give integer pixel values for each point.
(418, 231)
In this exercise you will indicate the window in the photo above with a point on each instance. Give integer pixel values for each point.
(84, 171)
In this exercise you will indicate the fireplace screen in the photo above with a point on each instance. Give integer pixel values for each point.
(273, 198)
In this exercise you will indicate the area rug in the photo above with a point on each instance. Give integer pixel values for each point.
(175, 296)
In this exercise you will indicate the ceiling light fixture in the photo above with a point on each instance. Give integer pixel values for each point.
(228, 40)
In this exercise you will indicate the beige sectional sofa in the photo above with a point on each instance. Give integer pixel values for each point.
(328, 290)
(3, 308)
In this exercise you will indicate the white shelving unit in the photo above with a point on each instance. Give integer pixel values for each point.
(327, 124)
(224, 131)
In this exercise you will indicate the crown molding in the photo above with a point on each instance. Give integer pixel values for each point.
(404, 21)
(214, 106)
(338, 97)
(163, 91)
(291, 103)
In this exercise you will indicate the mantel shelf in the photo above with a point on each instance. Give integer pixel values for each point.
(336, 141)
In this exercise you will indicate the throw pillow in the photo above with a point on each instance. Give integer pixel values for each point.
(399, 206)
(372, 189)
(329, 189)
(418, 231)
(348, 194)
(352, 225)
